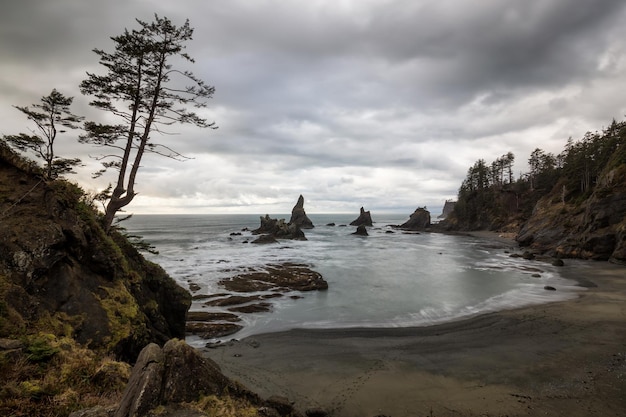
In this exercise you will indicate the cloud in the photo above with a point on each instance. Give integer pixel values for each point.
(377, 103)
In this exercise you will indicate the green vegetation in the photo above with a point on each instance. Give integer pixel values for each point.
(49, 117)
(490, 198)
(64, 356)
(53, 376)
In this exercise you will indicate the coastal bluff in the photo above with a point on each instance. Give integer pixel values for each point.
(58, 265)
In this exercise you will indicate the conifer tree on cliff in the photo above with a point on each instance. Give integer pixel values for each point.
(146, 93)
(50, 117)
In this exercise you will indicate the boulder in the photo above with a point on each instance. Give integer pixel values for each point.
(143, 391)
(178, 375)
(187, 375)
(299, 217)
(174, 374)
(365, 219)
(419, 220)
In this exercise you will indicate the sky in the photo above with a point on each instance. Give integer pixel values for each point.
(381, 104)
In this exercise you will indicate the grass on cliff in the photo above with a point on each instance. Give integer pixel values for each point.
(50, 373)
(53, 376)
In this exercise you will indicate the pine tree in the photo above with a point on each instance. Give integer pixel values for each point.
(49, 117)
(143, 90)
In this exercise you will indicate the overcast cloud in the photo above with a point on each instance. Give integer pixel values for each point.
(376, 103)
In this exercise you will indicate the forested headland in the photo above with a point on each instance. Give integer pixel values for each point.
(572, 204)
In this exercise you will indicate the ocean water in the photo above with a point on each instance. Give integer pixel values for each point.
(382, 280)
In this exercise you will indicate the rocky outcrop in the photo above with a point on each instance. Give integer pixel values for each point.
(593, 229)
(419, 220)
(278, 229)
(57, 264)
(277, 277)
(176, 375)
(299, 217)
(365, 219)
(251, 292)
(448, 208)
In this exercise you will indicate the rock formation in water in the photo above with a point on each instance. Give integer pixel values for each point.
(365, 219)
(277, 229)
(419, 220)
(299, 217)
(361, 230)
(251, 292)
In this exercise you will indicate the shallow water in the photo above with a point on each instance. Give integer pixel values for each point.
(382, 280)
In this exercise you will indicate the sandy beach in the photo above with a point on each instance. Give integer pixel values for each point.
(559, 359)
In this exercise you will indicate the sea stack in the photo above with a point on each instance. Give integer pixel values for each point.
(419, 220)
(361, 230)
(364, 219)
(299, 217)
(277, 229)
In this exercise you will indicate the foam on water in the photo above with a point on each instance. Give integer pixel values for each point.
(383, 280)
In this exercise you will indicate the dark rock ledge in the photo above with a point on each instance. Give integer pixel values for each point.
(250, 292)
(279, 277)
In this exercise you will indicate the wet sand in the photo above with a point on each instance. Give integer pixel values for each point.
(559, 359)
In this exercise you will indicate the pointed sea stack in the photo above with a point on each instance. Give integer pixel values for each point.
(299, 217)
(364, 219)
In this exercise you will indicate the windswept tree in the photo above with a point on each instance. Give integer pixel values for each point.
(143, 89)
(49, 117)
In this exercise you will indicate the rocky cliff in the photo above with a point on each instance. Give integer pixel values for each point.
(594, 228)
(448, 208)
(61, 273)
(573, 205)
